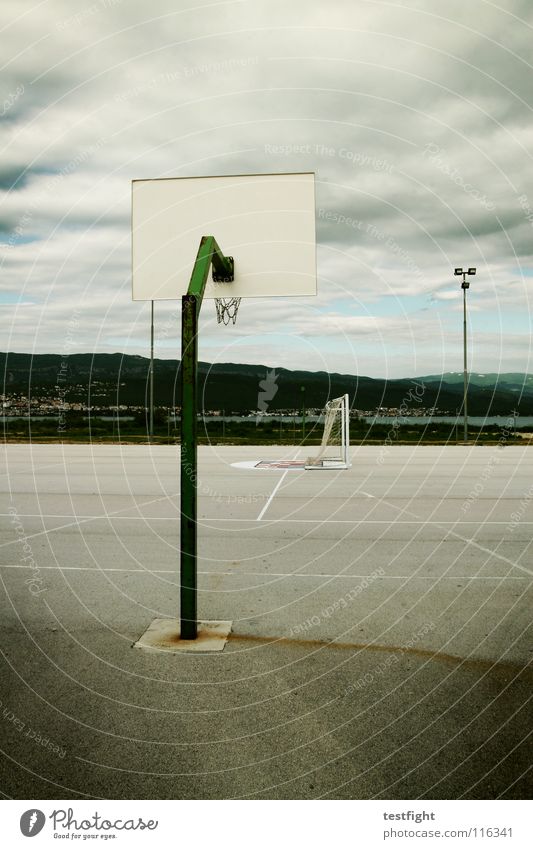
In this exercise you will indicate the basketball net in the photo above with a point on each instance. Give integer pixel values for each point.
(227, 309)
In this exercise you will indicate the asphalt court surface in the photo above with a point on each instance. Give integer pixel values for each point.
(381, 643)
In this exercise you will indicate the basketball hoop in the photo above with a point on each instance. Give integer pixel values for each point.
(269, 220)
(227, 308)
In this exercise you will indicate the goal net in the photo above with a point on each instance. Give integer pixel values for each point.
(334, 449)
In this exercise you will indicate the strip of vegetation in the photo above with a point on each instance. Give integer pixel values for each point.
(75, 428)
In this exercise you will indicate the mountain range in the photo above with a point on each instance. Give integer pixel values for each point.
(111, 379)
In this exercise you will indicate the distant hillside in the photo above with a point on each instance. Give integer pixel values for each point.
(516, 382)
(109, 379)
(488, 389)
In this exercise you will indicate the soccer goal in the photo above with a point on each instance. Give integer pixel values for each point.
(335, 446)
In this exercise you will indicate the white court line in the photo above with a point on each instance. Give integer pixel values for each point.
(362, 521)
(112, 518)
(97, 569)
(79, 521)
(272, 494)
(12, 472)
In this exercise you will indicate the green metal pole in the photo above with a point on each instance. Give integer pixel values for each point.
(189, 541)
(151, 412)
(208, 253)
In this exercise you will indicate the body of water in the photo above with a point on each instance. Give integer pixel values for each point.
(475, 421)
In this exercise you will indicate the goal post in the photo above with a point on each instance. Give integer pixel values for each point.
(334, 450)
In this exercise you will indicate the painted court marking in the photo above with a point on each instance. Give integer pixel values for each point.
(282, 478)
(79, 521)
(112, 517)
(341, 576)
(272, 494)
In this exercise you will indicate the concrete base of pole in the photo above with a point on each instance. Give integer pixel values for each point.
(164, 635)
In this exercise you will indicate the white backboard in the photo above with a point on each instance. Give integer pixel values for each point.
(266, 222)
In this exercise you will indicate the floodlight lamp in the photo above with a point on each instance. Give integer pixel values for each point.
(458, 271)
(465, 284)
(471, 270)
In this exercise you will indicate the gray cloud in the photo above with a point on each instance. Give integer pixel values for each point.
(416, 120)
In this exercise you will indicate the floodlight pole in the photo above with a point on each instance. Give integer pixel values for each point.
(151, 400)
(464, 286)
(209, 254)
(465, 373)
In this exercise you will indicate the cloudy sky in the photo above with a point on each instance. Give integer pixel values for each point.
(415, 115)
